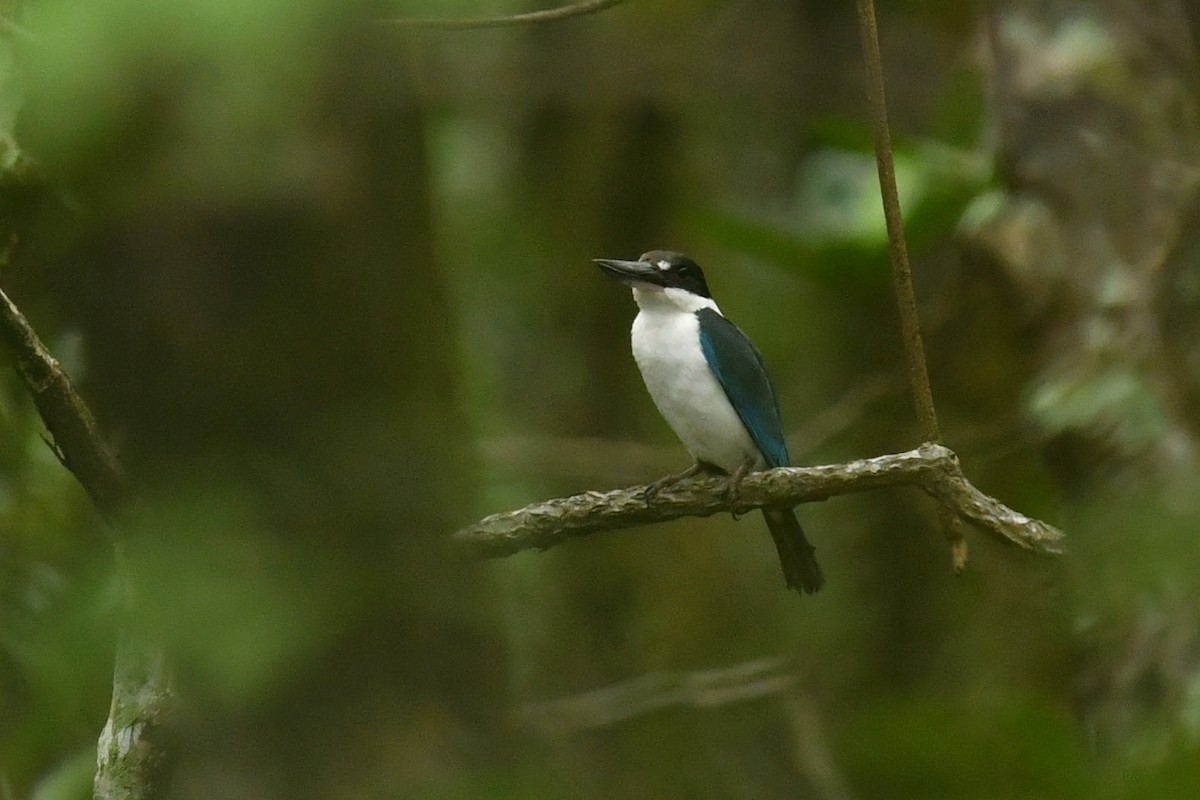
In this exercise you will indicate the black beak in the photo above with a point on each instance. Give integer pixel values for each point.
(631, 272)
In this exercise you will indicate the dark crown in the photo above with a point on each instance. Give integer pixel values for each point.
(678, 270)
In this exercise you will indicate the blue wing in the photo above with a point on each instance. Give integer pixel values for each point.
(738, 365)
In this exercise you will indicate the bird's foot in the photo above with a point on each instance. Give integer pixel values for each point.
(733, 490)
(652, 489)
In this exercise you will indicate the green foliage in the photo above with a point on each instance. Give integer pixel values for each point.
(70, 780)
(57, 600)
(237, 64)
(929, 746)
(834, 233)
(1172, 776)
(236, 607)
(1116, 395)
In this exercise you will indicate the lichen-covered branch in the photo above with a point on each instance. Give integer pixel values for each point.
(76, 437)
(131, 762)
(130, 755)
(932, 468)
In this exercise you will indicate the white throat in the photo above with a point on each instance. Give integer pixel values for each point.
(657, 298)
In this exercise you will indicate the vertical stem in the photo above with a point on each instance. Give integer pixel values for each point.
(910, 323)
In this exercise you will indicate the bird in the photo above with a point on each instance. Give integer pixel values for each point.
(709, 382)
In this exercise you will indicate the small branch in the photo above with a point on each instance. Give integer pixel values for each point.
(77, 440)
(814, 756)
(530, 18)
(707, 688)
(932, 468)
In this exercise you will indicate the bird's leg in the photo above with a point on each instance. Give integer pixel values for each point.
(662, 483)
(733, 488)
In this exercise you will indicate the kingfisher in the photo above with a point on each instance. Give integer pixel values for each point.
(709, 383)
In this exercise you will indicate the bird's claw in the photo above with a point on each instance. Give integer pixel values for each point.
(652, 489)
(733, 492)
(733, 499)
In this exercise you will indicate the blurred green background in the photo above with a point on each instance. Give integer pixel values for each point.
(326, 283)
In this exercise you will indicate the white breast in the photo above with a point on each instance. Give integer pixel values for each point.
(666, 345)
